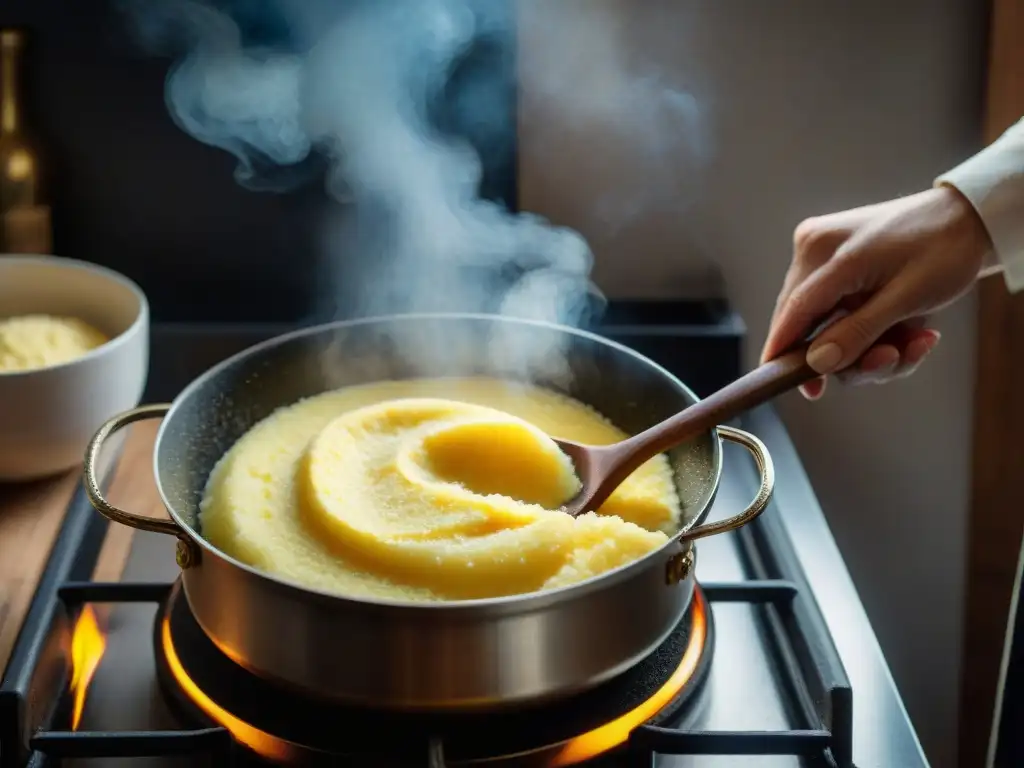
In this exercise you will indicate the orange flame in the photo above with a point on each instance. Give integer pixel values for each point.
(263, 744)
(576, 750)
(87, 647)
(611, 735)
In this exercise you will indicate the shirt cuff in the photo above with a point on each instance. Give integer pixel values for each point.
(993, 182)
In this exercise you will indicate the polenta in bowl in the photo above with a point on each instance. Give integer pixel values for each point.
(31, 342)
(74, 350)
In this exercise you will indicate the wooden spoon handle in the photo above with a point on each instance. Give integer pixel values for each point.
(749, 391)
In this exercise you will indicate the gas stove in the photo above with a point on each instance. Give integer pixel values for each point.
(202, 685)
(774, 665)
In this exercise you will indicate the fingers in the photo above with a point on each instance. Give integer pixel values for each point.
(917, 351)
(877, 364)
(802, 311)
(886, 362)
(813, 390)
(891, 262)
(848, 339)
(914, 346)
(794, 276)
(886, 354)
(814, 243)
(897, 354)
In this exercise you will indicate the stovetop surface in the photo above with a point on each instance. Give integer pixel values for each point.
(744, 691)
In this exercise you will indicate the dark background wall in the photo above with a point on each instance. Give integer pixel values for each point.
(132, 191)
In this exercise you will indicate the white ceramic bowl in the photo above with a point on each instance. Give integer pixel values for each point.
(47, 416)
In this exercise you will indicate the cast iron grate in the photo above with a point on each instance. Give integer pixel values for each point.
(309, 731)
(799, 640)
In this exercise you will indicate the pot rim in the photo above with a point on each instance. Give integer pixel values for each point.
(518, 602)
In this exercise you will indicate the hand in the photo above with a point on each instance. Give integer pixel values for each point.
(876, 272)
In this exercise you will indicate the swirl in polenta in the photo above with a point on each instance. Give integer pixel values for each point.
(425, 490)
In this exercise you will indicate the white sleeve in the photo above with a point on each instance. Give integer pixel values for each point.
(993, 181)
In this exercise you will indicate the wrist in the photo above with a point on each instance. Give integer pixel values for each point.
(968, 230)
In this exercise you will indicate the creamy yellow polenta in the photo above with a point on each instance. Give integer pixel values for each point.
(429, 490)
(29, 342)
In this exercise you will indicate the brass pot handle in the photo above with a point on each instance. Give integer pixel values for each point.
(765, 467)
(91, 480)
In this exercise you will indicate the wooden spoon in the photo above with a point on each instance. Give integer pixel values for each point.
(602, 468)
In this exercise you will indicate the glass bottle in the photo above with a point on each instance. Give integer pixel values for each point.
(24, 218)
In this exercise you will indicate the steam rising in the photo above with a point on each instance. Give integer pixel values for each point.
(355, 81)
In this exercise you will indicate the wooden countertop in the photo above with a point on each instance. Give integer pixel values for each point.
(30, 519)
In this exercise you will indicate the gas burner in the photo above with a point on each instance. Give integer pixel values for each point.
(270, 724)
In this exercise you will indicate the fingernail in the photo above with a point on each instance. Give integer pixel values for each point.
(882, 364)
(916, 360)
(810, 394)
(919, 349)
(813, 390)
(825, 358)
(883, 374)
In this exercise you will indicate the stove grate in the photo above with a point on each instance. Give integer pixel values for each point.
(644, 742)
(796, 632)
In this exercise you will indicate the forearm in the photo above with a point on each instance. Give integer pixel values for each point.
(993, 182)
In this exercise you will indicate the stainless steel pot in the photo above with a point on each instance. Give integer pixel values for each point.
(465, 655)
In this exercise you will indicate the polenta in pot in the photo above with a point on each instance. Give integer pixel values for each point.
(429, 490)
